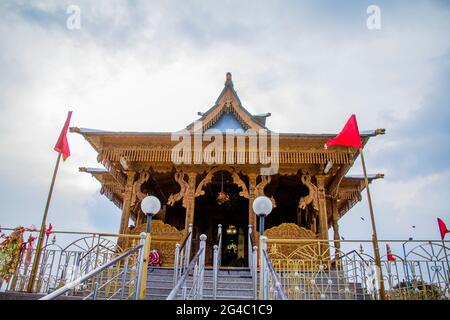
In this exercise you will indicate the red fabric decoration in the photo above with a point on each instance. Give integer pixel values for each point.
(154, 258)
(62, 145)
(442, 228)
(27, 250)
(390, 256)
(348, 137)
(48, 232)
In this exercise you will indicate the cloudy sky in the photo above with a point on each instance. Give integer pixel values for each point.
(151, 65)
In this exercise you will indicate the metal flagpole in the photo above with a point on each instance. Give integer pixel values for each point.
(37, 256)
(374, 230)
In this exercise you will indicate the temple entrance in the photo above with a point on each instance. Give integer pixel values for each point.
(222, 204)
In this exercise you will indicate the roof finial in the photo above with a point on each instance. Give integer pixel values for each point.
(229, 81)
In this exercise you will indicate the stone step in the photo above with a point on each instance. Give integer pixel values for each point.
(206, 291)
(207, 270)
(220, 286)
(156, 296)
(206, 279)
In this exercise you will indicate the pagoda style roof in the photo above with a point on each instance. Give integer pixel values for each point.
(297, 151)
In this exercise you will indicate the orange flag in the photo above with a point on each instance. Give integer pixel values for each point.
(62, 145)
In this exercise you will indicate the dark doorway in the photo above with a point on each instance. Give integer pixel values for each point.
(231, 213)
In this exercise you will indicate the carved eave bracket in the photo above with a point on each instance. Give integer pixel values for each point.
(259, 189)
(184, 189)
(138, 195)
(312, 196)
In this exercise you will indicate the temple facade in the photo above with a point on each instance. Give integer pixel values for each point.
(310, 189)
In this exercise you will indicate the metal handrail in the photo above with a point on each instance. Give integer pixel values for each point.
(252, 257)
(183, 244)
(197, 264)
(250, 246)
(94, 273)
(266, 271)
(274, 276)
(217, 257)
(182, 255)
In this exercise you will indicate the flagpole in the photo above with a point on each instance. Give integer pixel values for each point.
(374, 231)
(42, 231)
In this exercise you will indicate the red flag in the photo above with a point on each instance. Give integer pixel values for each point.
(348, 137)
(48, 232)
(442, 228)
(390, 256)
(62, 145)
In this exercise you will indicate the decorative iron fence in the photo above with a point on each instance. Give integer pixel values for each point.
(119, 279)
(320, 270)
(61, 264)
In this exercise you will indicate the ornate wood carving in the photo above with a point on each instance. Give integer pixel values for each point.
(162, 154)
(289, 231)
(236, 179)
(184, 187)
(280, 251)
(259, 189)
(138, 195)
(312, 197)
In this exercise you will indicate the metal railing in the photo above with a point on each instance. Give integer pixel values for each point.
(197, 266)
(182, 255)
(62, 260)
(322, 269)
(124, 271)
(217, 257)
(271, 288)
(252, 258)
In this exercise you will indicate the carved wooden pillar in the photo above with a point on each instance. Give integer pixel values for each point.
(323, 223)
(252, 196)
(335, 218)
(189, 199)
(313, 225)
(127, 197)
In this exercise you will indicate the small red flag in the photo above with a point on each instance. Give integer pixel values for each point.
(348, 137)
(390, 256)
(62, 145)
(48, 232)
(442, 228)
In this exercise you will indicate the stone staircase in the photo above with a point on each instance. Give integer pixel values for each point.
(237, 284)
(232, 284)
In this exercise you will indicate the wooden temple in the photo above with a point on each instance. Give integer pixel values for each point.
(310, 192)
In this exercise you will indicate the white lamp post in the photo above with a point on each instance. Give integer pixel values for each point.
(262, 206)
(150, 205)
